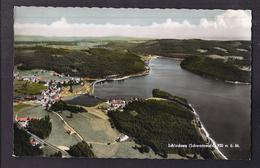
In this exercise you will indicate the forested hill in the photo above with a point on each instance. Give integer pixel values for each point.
(156, 122)
(184, 48)
(226, 60)
(215, 68)
(98, 58)
(94, 62)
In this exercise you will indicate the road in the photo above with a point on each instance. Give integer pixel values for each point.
(92, 111)
(92, 85)
(71, 129)
(80, 137)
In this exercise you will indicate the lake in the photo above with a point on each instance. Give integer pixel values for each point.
(224, 108)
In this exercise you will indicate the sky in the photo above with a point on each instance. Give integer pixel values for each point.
(142, 23)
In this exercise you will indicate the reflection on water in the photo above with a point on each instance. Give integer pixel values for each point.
(224, 108)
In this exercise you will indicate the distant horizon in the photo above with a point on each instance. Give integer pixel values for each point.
(136, 23)
(70, 38)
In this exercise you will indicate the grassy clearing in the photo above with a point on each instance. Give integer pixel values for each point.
(20, 106)
(28, 88)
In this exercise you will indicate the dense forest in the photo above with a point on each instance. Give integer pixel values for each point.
(40, 127)
(156, 123)
(22, 146)
(215, 68)
(81, 149)
(94, 62)
(62, 105)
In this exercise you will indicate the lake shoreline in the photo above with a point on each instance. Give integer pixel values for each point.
(216, 151)
(144, 73)
(205, 133)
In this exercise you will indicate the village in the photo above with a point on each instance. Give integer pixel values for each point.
(50, 79)
(52, 94)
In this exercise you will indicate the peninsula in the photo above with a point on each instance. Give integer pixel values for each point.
(161, 122)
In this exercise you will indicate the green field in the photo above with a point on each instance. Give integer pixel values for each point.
(99, 133)
(28, 88)
(20, 106)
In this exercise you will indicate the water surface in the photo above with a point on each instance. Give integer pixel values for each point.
(224, 108)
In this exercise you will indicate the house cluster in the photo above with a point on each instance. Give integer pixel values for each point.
(66, 79)
(119, 104)
(52, 73)
(23, 121)
(36, 77)
(51, 95)
(116, 105)
(32, 78)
